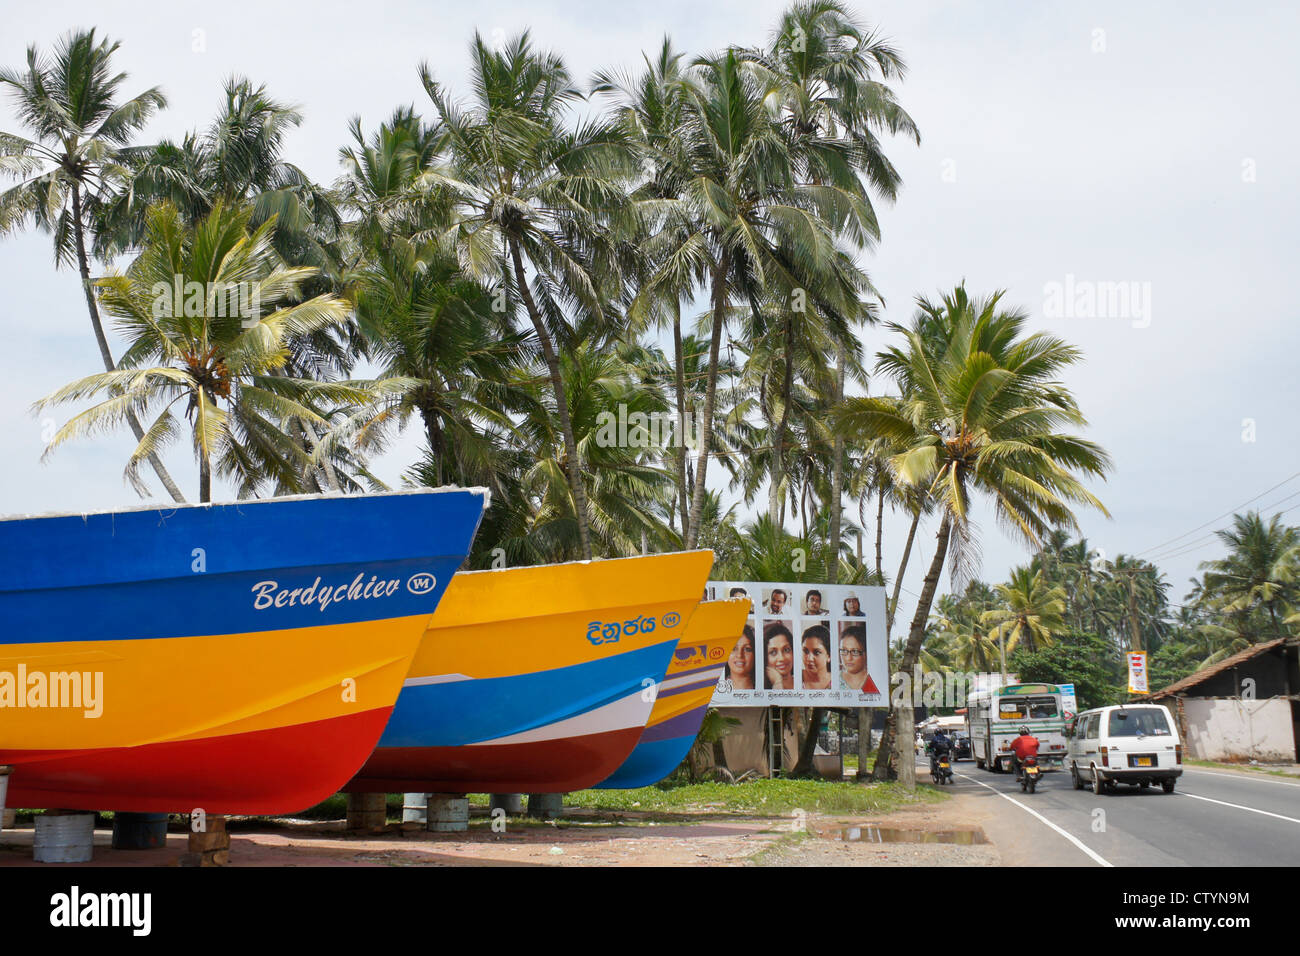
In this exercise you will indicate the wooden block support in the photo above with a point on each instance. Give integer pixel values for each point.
(211, 847)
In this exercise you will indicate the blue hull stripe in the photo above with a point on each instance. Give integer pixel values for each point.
(471, 711)
(649, 763)
(231, 569)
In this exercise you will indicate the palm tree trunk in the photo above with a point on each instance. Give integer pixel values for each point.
(880, 525)
(205, 479)
(914, 638)
(83, 264)
(778, 439)
(837, 475)
(710, 396)
(808, 746)
(572, 465)
(902, 568)
(683, 491)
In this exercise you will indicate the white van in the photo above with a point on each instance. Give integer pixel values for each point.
(1136, 744)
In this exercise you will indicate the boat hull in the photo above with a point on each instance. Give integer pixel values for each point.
(235, 659)
(683, 696)
(513, 690)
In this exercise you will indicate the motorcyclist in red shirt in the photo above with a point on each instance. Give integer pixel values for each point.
(1026, 745)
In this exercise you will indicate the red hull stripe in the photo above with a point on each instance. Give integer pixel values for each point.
(550, 766)
(280, 770)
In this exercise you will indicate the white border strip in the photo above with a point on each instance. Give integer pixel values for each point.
(1042, 819)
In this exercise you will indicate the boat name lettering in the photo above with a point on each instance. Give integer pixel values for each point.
(270, 594)
(601, 633)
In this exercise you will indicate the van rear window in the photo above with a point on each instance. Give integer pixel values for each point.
(1143, 722)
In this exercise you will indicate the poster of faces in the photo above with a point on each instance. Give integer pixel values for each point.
(806, 645)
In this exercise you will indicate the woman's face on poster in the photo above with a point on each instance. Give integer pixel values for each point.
(815, 659)
(780, 655)
(852, 658)
(742, 658)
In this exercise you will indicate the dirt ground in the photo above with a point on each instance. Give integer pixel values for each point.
(583, 838)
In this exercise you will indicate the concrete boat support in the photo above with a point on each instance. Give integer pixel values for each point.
(511, 803)
(448, 813)
(546, 806)
(64, 836)
(367, 812)
(415, 807)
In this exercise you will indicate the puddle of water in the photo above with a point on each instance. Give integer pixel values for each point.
(873, 834)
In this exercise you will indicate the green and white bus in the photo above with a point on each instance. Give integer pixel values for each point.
(994, 718)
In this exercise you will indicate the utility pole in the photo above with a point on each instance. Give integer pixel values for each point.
(1134, 630)
(1132, 616)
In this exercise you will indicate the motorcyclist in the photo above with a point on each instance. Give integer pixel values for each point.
(939, 744)
(1026, 745)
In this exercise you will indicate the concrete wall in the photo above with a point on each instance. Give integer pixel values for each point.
(1226, 729)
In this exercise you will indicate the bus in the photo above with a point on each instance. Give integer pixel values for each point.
(994, 718)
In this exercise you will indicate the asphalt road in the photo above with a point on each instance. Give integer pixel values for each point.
(1213, 818)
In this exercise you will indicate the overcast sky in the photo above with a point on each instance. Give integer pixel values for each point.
(1064, 146)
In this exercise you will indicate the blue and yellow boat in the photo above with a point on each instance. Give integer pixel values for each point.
(682, 698)
(537, 680)
(238, 658)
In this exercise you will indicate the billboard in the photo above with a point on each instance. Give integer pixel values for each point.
(1137, 672)
(1069, 703)
(806, 645)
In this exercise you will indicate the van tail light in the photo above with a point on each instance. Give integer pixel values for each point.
(1178, 753)
(1104, 752)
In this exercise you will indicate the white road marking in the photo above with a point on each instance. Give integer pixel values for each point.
(1042, 819)
(1245, 775)
(1238, 806)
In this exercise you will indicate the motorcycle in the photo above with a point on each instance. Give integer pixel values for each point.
(941, 769)
(1030, 773)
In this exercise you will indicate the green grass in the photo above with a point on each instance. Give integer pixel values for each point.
(755, 797)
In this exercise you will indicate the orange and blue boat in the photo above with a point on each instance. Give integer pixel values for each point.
(234, 658)
(682, 698)
(539, 679)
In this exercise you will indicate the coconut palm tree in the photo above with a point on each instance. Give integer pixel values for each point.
(378, 177)
(628, 486)
(238, 159)
(980, 409)
(741, 227)
(208, 313)
(69, 101)
(651, 107)
(528, 192)
(1034, 612)
(1259, 576)
(429, 325)
(825, 71)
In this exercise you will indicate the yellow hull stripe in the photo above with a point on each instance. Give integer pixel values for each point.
(189, 688)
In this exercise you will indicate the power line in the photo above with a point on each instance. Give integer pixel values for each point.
(1226, 514)
(1188, 547)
